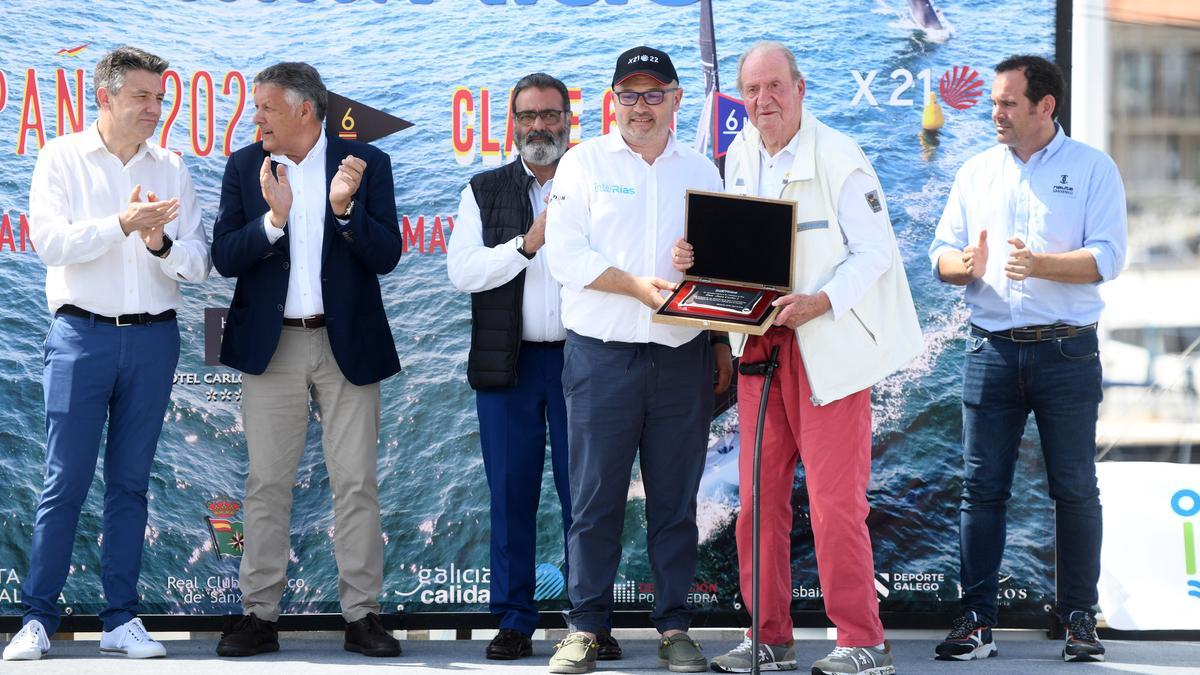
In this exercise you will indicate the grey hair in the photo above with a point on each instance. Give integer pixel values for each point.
(769, 46)
(300, 82)
(541, 81)
(110, 71)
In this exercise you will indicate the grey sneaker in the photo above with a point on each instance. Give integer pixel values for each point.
(680, 654)
(770, 657)
(862, 660)
(575, 654)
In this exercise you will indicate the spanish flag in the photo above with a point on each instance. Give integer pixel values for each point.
(73, 51)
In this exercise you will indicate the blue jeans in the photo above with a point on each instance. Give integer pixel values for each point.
(1003, 381)
(95, 372)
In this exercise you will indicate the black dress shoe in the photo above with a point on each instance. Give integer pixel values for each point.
(248, 636)
(609, 649)
(368, 637)
(508, 645)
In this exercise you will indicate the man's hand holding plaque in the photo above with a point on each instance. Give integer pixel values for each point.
(736, 258)
(799, 309)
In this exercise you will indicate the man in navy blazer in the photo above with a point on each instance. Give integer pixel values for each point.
(306, 224)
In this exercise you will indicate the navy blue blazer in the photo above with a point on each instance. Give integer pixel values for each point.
(352, 258)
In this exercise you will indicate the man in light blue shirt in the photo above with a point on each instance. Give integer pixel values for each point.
(1031, 228)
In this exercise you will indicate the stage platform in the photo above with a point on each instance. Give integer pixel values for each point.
(1022, 652)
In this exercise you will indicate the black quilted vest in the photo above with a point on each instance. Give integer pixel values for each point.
(503, 198)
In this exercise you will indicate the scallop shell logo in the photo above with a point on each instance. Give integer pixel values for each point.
(960, 87)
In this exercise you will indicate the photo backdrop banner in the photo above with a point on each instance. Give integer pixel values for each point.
(446, 67)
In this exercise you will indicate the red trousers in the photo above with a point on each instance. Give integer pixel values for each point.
(834, 443)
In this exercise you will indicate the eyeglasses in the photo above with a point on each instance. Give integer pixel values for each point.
(653, 97)
(548, 116)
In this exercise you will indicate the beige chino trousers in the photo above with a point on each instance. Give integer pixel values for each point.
(275, 409)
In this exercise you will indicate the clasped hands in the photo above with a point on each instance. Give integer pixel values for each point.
(147, 218)
(277, 189)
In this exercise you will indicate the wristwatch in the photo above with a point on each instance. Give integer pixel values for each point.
(166, 247)
(521, 247)
(348, 213)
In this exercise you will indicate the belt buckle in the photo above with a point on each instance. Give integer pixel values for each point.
(117, 321)
(304, 321)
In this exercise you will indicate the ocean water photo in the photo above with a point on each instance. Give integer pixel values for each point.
(446, 66)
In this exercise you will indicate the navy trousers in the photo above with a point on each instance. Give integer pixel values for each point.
(512, 432)
(626, 400)
(93, 372)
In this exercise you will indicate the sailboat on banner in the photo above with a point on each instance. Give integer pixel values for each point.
(722, 117)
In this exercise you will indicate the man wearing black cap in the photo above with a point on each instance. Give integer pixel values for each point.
(632, 387)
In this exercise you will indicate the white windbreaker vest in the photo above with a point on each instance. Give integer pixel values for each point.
(880, 334)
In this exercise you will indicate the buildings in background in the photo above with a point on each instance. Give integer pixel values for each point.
(1154, 121)
(1136, 94)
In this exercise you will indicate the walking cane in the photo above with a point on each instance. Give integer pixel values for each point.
(767, 369)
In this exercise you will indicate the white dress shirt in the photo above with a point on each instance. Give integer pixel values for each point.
(474, 267)
(76, 196)
(612, 209)
(306, 230)
(864, 230)
(1068, 196)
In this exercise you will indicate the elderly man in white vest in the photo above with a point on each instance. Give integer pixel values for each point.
(848, 323)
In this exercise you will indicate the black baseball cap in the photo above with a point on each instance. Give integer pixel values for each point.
(644, 61)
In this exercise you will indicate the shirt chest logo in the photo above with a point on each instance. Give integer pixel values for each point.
(613, 189)
(1064, 186)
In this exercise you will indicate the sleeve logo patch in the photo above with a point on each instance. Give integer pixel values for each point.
(873, 201)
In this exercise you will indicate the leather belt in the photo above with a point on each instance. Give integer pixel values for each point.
(1056, 331)
(315, 321)
(122, 320)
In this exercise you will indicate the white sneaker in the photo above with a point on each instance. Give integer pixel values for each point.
(29, 644)
(131, 640)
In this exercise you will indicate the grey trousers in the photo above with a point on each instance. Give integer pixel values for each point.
(626, 400)
(275, 408)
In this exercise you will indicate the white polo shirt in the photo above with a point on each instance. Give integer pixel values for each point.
(609, 208)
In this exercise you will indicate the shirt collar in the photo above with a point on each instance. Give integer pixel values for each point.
(91, 141)
(1056, 144)
(317, 151)
(788, 150)
(1050, 149)
(804, 147)
(536, 184)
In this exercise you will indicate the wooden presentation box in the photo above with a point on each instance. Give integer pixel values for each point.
(745, 249)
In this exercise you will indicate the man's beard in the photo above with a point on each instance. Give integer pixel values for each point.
(542, 147)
